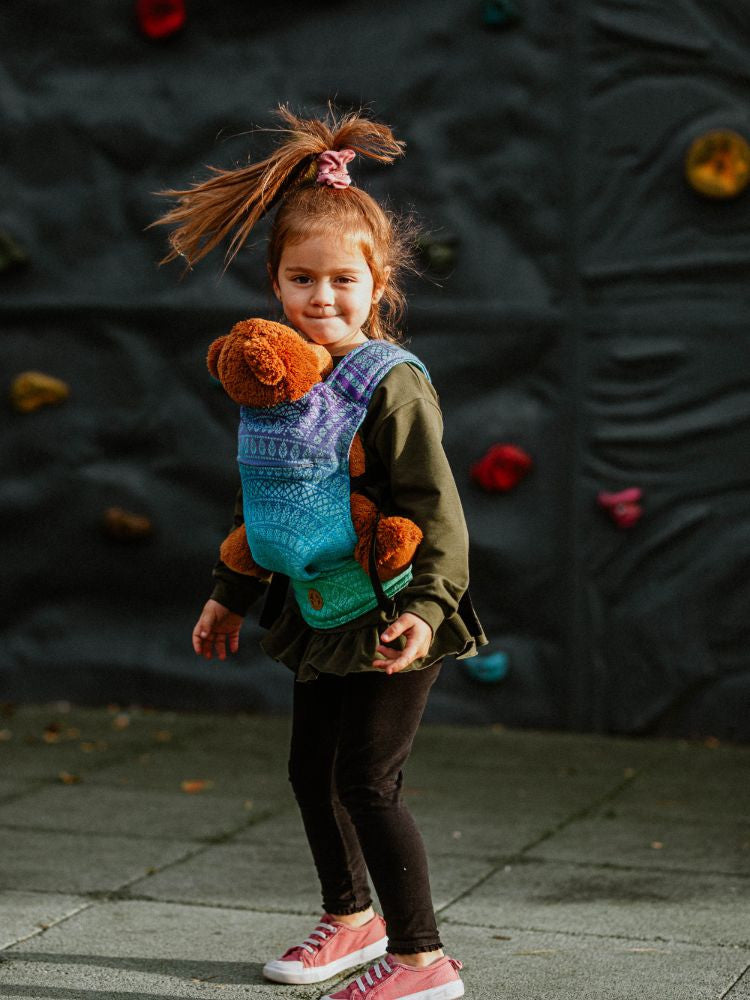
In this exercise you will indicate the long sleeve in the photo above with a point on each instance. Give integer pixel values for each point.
(234, 590)
(402, 435)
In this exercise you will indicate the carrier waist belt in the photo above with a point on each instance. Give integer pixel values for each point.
(342, 594)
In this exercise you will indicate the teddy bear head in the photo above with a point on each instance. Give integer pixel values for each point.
(261, 364)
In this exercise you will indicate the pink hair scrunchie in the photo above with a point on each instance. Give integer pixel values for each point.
(332, 168)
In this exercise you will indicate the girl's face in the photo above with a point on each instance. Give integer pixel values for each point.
(327, 291)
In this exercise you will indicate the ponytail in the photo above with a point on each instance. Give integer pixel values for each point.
(233, 201)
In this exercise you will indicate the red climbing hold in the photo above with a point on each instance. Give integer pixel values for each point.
(624, 507)
(160, 18)
(502, 468)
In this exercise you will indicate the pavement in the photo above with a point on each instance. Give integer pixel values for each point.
(159, 855)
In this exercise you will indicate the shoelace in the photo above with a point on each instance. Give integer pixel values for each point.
(323, 930)
(380, 967)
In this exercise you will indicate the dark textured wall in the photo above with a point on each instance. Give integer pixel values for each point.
(595, 316)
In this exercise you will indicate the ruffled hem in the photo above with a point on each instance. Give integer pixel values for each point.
(351, 647)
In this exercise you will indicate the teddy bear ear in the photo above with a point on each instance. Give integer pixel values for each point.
(263, 361)
(212, 358)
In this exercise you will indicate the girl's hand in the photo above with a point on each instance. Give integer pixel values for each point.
(418, 639)
(215, 625)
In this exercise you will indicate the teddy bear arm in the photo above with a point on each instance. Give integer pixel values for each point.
(396, 539)
(235, 553)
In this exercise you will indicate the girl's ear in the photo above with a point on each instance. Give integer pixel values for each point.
(212, 360)
(274, 283)
(378, 290)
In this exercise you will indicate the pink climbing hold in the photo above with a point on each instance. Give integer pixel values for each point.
(624, 507)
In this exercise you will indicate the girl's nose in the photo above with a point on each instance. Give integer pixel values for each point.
(322, 294)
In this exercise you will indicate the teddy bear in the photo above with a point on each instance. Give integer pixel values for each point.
(261, 364)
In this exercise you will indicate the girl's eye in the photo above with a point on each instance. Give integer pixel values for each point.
(300, 279)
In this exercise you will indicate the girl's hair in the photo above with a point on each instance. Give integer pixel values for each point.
(233, 201)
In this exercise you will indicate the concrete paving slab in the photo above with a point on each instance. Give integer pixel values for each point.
(93, 809)
(266, 876)
(510, 750)
(472, 831)
(636, 841)
(155, 950)
(165, 769)
(10, 789)
(701, 783)
(279, 876)
(44, 742)
(741, 989)
(78, 862)
(23, 914)
(638, 904)
(527, 965)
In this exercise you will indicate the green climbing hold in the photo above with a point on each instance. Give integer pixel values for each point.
(11, 254)
(438, 255)
(500, 13)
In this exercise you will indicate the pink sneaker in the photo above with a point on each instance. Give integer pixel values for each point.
(331, 948)
(390, 980)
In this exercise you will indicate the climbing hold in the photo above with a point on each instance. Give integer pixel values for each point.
(160, 18)
(717, 164)
(125, 526)
(11, 254)
(488, 668)
(500, 13)
(624, 507)
(501, 468)
(31, 390)
(438, 255)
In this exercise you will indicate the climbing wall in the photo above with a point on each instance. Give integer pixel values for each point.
(582, 312)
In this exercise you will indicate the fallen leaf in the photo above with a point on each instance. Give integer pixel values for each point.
(67, 778)
(537, 951)
(501, 937)
(162, 736)
(121, 721)
(247, 804)
(194, 785)
(5, 734)
(657, 845)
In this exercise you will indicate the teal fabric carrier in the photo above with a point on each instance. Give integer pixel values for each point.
(294, 467)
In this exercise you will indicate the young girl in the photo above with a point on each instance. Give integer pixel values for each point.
(334, 261)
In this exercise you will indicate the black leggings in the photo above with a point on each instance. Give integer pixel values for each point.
(351, 736)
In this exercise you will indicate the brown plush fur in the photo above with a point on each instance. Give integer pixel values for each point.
(260, 364)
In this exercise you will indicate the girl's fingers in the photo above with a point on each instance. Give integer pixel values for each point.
(402, 659)
(394, 630)
(234, 642)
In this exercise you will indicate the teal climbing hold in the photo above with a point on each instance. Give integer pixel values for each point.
(489, 668)
(500, 13)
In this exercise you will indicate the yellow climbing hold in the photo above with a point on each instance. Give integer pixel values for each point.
(717, 164)
(32, 390)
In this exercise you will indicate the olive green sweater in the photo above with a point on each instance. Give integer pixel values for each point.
(407, 466)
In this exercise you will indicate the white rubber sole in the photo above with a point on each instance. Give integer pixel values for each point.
(294, 972)
(448, 991)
